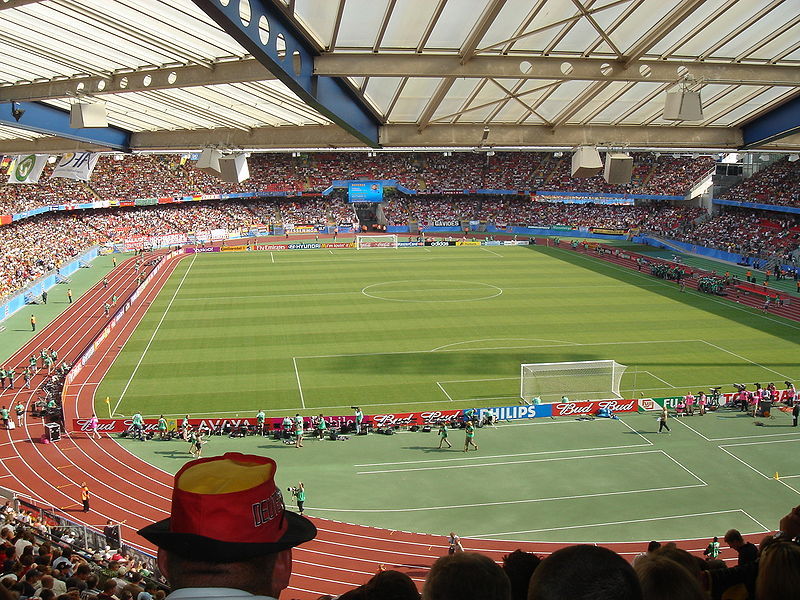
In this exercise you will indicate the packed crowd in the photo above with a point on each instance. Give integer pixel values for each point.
(752, 234)
(41, 560)
(778, 184)
(155, 176)
(32, 247)
(520, 210)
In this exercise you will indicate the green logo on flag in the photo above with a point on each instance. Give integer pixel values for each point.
(24, 167)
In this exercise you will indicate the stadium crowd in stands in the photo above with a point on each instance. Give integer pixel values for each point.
(50, 562)
(778, 184)
(34, 246)
(151, 176)
(752, 234)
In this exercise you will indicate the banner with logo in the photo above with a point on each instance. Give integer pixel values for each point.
(78, 165)
(431, 417)
(27, 169)
(518, 411)
(567, 409)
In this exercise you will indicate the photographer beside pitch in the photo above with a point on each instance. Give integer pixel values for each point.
(229, 534)
(299, 494)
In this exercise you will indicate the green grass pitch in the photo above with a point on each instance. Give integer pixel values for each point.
(424, 328)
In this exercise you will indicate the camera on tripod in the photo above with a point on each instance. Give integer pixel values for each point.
(740, 387)
(293, 490)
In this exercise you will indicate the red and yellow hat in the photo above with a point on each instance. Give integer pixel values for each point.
(228, 508)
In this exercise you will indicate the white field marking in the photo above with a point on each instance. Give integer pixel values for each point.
(685, 469)
(538, 453)
(272, 256)
(486, 398)
(348, 569)
(299, 387)
(505, 502)
(764, 475)
(749, 437)
(500, 340)
(744, 463)
(369, 548)
(152, 337)
(746, 359)
(649, 443)
(491, 252)
(705, 514)
(331, 251)
(473, 380)
(509, 462)
(795, 490)
(475, 287)
(681, 421)
(444, 391)
(759, 443)
(728, 304)
(756, 520)
(499, 348)
(657, 377)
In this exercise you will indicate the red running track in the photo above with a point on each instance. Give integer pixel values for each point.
(124, 487)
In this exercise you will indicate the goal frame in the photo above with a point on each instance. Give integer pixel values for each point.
(574, 390)
(392, 242)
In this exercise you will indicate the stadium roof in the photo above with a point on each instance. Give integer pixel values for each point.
(303, 74)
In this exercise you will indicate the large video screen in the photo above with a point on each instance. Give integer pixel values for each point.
(365, 191)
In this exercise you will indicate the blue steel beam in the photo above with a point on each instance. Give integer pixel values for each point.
(46, 119)
(331, 96)
(777, 123)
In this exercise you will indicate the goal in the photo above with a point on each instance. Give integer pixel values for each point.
(364, 242)
(581, 380)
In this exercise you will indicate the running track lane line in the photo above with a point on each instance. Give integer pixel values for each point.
(383, 536)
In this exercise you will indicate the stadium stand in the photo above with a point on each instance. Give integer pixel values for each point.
(155, 176)
(778, 184)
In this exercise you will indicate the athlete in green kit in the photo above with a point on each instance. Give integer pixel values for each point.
(443, 436)
(469, 439)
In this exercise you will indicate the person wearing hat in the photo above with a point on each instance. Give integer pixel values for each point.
(229, 534)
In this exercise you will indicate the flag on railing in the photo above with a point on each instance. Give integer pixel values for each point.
(78, 165)
(27, 169)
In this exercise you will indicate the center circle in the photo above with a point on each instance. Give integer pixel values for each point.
(431, 290)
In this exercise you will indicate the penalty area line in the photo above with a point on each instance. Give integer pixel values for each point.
(152, 337)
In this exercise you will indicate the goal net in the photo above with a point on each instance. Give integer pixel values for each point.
(364, 242)
(581, 380)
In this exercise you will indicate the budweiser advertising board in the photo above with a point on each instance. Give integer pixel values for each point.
(566, 409)
(395, 420)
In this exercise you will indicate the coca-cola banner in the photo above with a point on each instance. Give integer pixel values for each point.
(566, 409)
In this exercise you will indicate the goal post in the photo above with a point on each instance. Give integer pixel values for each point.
(366, 242)
(579, 380)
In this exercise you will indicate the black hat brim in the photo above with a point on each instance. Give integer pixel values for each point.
(199, 547)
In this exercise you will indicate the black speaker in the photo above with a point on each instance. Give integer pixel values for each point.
(414, 428)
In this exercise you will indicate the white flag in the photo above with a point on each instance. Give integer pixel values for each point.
(76, 166)
(27, 169)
